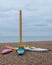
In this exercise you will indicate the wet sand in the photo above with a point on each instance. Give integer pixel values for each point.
(29, 58)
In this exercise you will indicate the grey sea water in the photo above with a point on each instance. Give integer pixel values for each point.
(25, 38)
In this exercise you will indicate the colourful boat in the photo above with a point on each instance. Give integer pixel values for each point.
(20, 51)
(5, 51)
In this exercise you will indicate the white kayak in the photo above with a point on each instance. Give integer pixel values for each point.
(36, 49)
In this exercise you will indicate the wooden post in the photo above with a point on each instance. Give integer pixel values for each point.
(20, 28)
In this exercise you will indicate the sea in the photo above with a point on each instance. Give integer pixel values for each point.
(7, 39)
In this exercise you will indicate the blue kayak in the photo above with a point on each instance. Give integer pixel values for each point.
(20, 51)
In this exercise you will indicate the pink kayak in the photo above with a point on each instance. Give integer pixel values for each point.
(5, 51)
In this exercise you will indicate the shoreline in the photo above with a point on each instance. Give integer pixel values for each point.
(27, 42)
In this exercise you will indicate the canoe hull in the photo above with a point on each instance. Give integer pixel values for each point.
(5, 51)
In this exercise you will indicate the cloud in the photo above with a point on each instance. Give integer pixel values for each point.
(37, 16)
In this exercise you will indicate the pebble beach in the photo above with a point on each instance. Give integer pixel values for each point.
(29, 58)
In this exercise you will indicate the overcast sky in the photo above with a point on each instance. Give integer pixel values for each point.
(37, 17)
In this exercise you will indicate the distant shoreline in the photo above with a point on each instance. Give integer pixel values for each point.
(28, 42)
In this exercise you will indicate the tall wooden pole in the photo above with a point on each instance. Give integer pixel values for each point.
(20, 28)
